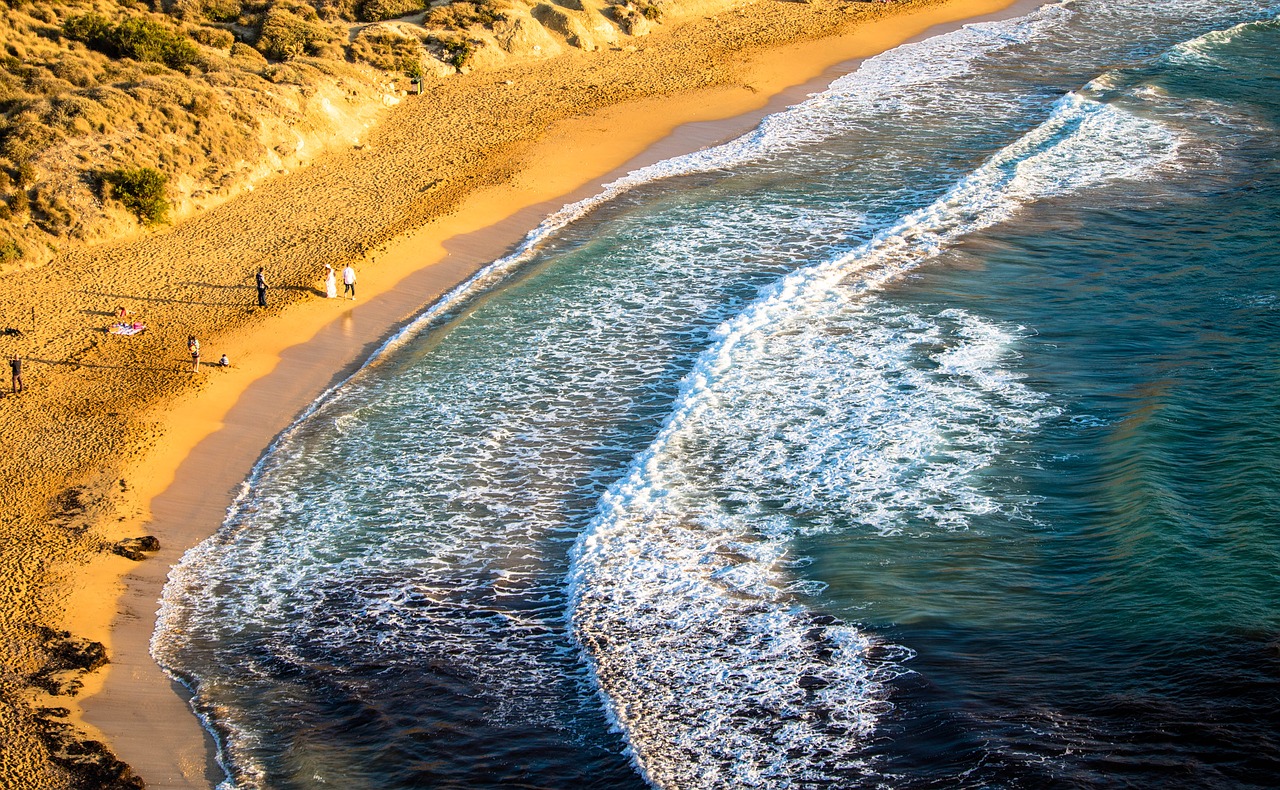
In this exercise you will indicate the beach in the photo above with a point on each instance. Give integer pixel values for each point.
(115, 438)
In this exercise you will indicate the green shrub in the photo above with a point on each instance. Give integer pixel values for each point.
(292, 31)
(134, 37)
(141, 190)
(337, 9)
(222, 10)
(214, 37)
(385, 50)
(412, 67)
(378, 10)
(92, 29)
(456, 52)
(9, 251)
(248, 53)
(461, 15)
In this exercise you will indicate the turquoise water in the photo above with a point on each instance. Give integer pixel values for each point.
(921, 438)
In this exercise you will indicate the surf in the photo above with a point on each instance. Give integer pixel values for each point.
(708, 660)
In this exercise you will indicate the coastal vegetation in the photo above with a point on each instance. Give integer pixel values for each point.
(208, 97)
(142, 191)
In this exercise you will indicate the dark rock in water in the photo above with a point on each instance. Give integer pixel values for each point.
(815, 634)
(812, 682)
(135, 548)
(91, 762)
(823, 619)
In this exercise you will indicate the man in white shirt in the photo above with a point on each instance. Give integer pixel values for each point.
(349, 281)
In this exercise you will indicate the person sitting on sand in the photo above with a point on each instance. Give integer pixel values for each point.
(224, 362)
(121, 312)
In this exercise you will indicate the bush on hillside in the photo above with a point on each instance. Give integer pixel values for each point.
(9, 251)
(204, 10)
(292, 30)
(141, 190)
(384, 49)
(461, 15)
(221, 10)
(333, 10)
(456, 52)
(214, 37)
(134, 37)
(379, 10)
(247, 54)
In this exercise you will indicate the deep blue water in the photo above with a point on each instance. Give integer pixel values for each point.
(923, 438)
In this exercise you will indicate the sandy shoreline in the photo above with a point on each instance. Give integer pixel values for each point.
(179, 489)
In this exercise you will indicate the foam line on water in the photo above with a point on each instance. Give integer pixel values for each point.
(887, 74)
(891, 74)
(769, 578)
(709, 663)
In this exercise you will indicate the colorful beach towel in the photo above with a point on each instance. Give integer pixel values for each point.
(127, 329)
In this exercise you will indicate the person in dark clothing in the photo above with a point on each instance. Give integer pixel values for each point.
(15, 371)
(262, 288)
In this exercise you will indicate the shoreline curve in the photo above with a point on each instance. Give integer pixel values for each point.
(214, 438)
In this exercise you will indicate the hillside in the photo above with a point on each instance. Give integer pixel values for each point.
(122, 115)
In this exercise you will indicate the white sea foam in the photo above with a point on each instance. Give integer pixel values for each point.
(511, 456)
(889, 77)
(811, 410)
(423, 519)
(1206, 50)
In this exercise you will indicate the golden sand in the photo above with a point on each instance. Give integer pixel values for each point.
(117, 438)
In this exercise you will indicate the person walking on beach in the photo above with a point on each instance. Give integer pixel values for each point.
(15, 373)
(330, 283)
(262, 288)
(349, 281)
(193, 346)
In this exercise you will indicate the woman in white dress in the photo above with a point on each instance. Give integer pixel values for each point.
(330, 283)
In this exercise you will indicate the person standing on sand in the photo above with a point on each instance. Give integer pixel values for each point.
(15, 372)
(349, 281)
(262, 288)
(193, 346)
(330, 284)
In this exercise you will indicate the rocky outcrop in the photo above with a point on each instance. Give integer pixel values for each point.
(90, 762)
(632, 20)
(70, 658)
(522, 35)
(566, 23)
(136, 548)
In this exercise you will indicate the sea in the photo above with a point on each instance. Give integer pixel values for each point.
(927, 436)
